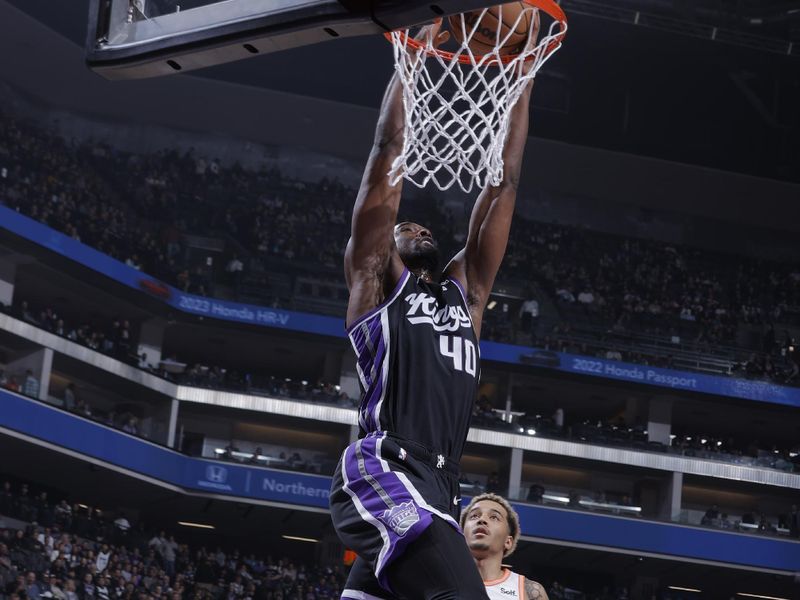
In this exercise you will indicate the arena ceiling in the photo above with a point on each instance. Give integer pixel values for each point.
(614, 85)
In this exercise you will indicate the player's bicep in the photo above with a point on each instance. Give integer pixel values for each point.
(367, 265)
(534, 591)
(488, 237)
(374, 215)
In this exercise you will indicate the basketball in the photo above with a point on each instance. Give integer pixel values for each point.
(505, 18)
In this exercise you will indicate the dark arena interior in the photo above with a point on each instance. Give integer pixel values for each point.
(176, 383)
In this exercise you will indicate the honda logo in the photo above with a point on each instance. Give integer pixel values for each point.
(216, 473)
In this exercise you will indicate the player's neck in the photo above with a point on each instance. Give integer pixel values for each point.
(425, 275)
(490, 567)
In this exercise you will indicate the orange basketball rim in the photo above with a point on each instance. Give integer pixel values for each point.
(548, 6)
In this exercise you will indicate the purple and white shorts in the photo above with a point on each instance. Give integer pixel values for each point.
(385, 493)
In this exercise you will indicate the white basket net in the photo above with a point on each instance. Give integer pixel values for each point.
(457, 115)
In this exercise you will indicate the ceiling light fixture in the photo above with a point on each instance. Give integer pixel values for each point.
(297, 538)
(196, 525)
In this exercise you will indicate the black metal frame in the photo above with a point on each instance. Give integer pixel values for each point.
(325, 20)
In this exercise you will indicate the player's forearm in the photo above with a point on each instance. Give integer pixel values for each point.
(517, 137)
(389, 132)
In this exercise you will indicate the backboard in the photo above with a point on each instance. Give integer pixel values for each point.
(130, 39)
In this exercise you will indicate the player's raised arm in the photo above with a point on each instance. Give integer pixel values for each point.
(370, 262)
(476, 265)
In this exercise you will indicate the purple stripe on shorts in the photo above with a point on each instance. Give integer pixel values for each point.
(403, 518)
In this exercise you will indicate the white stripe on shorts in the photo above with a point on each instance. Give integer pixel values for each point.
(364, 513)
(356, 595)
(410, 487)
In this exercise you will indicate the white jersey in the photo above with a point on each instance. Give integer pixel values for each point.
(510, 586)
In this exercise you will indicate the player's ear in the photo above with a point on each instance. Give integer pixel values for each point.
(508, 543)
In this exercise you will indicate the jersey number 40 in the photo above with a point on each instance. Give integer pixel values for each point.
(461, 351)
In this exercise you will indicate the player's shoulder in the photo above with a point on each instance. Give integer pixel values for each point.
(534, 590)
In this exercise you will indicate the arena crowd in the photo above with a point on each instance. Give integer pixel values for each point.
(139, 208)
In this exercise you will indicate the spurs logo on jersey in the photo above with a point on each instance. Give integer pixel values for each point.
(423, 308)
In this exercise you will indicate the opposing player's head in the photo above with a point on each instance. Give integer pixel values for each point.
(416, 246)
(491, 526)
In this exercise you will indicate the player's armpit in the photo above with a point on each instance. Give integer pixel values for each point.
(534, 591)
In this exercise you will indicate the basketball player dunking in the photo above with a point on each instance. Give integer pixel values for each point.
(415, 328)
(491, 528)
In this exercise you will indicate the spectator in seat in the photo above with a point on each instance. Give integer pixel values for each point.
(558, 419)
(793, 360)
(103, 557)
(70, 397)
(493, 484)
(253, 460)
(32, 587)
(63, 515)
(794, 522)
(6, 499)
(556, 591)
(45, 538)
(31, 385)
(82, 408)
(124, 344)
(229, 450)
(565, 295)
(60, 328)
(7, 569)
(711, 515)
(535, 493)
(54, 588)
(25, 313)
(169, 548)
(157, 543)
(70, 590)
(574, 499)
(586, 297)
(296, 461)
(131, 426)
(765, 525)
(122, 526)
(24, 507)
(101, 591)
(529, 317)
(234, 269)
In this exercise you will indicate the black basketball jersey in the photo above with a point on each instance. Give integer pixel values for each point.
(418, 362)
